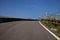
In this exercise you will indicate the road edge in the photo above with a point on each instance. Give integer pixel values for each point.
(49, 31)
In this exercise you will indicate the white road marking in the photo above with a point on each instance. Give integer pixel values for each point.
(50, 31)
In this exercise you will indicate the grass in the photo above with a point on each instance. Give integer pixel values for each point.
(50, 25)
(58, 28)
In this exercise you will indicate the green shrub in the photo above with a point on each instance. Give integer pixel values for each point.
(1, 20)
(58, 28)
(49, 24)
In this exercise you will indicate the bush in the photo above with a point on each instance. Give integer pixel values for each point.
(49, 24)
(58, 28)
(1, 20)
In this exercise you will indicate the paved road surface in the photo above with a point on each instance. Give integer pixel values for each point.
(24, 30)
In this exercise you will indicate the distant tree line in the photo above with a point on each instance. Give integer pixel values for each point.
(15, 19)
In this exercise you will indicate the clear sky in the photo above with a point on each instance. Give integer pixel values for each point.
(28, 8)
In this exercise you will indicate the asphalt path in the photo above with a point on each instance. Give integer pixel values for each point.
(24, 30)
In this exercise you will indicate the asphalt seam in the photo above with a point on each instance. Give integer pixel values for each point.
(49, 31)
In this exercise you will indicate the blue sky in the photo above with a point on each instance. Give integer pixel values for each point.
(28, 8)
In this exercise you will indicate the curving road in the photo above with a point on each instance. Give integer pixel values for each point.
(24, 30)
